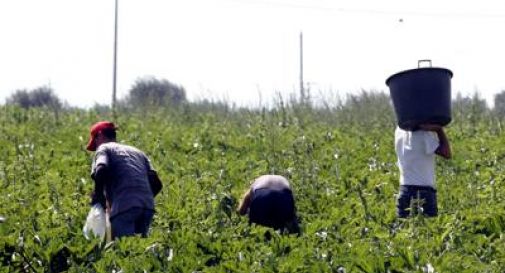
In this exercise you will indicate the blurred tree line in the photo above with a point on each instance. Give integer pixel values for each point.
(39, 97)
(152, 92)
(148, 92)
(367, 108)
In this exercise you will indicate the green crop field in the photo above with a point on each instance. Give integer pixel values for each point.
(342, 166)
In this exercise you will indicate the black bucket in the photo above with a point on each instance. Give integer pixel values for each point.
(421, 95)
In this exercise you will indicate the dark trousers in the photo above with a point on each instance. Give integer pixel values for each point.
(417, 198)
(275, 209)
(131, 222)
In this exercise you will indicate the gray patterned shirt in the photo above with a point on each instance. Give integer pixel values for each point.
(128, 186)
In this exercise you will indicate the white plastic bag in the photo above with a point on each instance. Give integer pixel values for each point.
(96, 223)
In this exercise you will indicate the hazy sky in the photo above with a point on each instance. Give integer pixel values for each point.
(239, 49)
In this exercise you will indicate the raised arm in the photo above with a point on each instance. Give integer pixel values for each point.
(444, 148)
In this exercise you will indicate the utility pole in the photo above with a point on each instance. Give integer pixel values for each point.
(114, 73)
(302, 89)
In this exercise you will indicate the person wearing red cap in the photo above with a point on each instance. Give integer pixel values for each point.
(124, 178)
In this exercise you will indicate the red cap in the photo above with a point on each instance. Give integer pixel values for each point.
(95, 129)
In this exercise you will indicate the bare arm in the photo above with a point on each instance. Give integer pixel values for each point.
(444, 148)
(245, 203)
(154, 182)
(100, 178)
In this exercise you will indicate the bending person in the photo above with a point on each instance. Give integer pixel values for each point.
(270, 202)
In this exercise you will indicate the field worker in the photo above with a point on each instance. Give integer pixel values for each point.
(270, 202)
(416, 160)
(125, 175)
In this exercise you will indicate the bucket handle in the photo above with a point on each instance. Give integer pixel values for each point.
(423, 61)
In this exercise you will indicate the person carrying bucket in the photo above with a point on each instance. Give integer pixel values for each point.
(416, 152)
(422, 103)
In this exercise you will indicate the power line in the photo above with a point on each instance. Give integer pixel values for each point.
(425, 14)
(276, 4)
(281, 4)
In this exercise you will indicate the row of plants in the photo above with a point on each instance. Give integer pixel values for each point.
(344, 176)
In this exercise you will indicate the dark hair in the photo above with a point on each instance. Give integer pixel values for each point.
(109, 133)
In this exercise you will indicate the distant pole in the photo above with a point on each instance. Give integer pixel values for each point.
(302, 89)
(114, 70)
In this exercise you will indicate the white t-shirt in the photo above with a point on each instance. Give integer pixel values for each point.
(416, 156)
